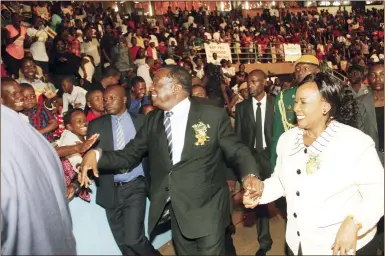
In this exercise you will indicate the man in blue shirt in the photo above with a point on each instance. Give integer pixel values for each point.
(122, 195)
(137, 94)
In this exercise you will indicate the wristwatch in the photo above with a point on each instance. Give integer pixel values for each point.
(249, 175)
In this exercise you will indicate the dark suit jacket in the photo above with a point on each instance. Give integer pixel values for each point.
(230, 175)
(245, 122)
(211, 102)
(105, 195)
(199, 193)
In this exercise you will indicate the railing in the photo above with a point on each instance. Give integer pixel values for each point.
(258, 53)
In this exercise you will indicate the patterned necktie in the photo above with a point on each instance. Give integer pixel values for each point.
(121, 142)
(119, 135)
(258, 130)
(167, 127)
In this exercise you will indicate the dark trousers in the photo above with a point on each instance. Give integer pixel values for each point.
(213, 244)
(229, 245)
(261, 211)
(44, 66)
(368, 249)
(12, 65)
(127, 219)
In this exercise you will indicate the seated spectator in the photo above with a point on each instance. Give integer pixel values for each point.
(73, 95)
(39, 117)
(28, 70)
(95, 104)
(137, 94)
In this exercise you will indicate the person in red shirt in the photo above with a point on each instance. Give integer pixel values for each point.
(134, 49)
(95, 104)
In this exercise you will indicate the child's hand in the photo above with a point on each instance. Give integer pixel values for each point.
(50, 94)
(71, 189)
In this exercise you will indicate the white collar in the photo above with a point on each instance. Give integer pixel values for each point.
(320, 143)
(181, 108)
(263, 101)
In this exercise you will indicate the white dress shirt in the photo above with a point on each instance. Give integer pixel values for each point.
(263, 114)
(78, 96)
(178, 128)
(348, 182)
(68, 138)
(144, 72)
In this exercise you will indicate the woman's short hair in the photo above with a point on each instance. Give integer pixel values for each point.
(344, 107)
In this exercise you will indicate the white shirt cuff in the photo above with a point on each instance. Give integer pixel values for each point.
(97, 154)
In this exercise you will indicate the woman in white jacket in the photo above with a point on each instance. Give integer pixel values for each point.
(329, 173)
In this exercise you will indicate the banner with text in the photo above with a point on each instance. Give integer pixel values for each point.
(292, 52)
(222, 50)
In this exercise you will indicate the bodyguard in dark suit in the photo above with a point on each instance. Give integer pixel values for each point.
(254, 126)
(185, 142)
(123, 195)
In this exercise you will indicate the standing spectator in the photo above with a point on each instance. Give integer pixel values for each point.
(33, 204)
(123, 196)
(256, 131)
(63, 63)
(121, 59)
(145, 73)
(38, 48)
(364, 97)
(14, 51)
(106, 44)
(97, 238)
(90, 46)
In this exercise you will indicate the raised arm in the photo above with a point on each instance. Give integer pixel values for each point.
(124, 159)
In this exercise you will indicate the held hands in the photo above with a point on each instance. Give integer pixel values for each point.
(253, 190)
(346, 239)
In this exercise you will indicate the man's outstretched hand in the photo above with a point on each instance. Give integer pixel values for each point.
(253, 190)
(89, 163)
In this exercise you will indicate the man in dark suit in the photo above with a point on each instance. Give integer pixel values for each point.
(185, 142)
(254, 126)
(123, 195)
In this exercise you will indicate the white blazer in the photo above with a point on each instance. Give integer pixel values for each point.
(349, 182)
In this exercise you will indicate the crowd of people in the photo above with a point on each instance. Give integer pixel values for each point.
(127, 98)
